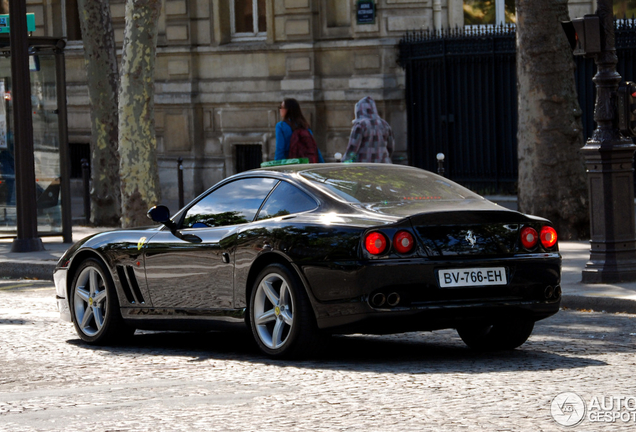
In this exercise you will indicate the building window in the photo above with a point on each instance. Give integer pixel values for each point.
(248, 19)
(625, 8)
(484, 12)
(79, 151)
(73, 31)
(248, 156)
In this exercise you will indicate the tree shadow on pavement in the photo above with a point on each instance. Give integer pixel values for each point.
(415, 353)
(589, 332)
(12, 321)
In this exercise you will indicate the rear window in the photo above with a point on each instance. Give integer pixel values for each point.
(284, 200)
(385, 183)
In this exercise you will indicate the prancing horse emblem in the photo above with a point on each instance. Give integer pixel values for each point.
(470, 238)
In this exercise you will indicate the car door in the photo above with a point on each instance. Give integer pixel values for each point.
(194, 267)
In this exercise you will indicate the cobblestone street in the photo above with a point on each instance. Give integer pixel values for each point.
(50, 381)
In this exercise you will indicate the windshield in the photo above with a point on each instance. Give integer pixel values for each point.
(382, 183)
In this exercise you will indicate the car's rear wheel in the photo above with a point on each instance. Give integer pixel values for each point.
(94, 306)
(506, 335)
(280, 315)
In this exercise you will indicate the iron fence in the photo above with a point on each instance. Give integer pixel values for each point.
(461, 98)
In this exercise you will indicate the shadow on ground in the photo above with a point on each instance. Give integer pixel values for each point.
(556, 344)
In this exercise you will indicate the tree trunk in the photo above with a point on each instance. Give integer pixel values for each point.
(552, 181)
(101, 68)
(137, 141)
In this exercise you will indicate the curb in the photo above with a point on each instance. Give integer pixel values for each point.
(31, 270)
(599, 304)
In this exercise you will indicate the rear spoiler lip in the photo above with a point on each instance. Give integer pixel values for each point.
(474, 217)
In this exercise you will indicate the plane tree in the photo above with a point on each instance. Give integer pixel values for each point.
(124, 171)
(552, 181)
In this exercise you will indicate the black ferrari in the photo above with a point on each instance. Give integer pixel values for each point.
(299, 252)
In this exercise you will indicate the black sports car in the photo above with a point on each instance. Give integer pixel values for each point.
(298, 252)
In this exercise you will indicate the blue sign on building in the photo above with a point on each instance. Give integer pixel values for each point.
(365, 12)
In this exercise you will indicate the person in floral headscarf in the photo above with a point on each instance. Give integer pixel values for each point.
(371, 137)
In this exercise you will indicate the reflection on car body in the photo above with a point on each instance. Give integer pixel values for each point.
(299, 252)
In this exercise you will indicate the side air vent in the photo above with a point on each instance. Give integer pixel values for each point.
(134, 285)
(129, 285)
(124, 284)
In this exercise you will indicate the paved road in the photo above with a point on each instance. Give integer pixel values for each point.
(50, 381)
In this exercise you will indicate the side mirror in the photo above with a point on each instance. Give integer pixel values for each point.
(161, 214)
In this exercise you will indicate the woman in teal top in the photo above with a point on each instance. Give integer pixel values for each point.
(292, 115)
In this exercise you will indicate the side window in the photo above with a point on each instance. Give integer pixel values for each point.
(231, 204)
(286, 199)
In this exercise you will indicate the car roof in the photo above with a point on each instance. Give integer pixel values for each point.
(299, 174)
(298, 168)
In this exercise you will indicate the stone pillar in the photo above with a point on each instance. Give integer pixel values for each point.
(437, 14)
(455, 13)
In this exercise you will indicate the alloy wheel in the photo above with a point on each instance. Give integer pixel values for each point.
(273, 311)
(90, 299)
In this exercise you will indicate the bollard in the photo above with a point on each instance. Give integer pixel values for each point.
(440, 164)
(87, 191)
(180, 181)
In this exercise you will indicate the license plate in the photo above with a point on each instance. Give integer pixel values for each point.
(472, 277)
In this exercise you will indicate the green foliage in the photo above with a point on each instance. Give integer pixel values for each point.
(479, 12)
(279, 213)
(625, 8)
(212, 220)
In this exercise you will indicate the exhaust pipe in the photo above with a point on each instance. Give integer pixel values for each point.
(393, 299)
(377, 300)
(549, 291)
(557, 292)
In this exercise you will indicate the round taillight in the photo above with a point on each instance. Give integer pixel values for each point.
(529, 237)
(403, 242)
(375, 243)
(548, 237)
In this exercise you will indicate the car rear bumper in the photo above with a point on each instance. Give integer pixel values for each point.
(435, 316)
(342, 296)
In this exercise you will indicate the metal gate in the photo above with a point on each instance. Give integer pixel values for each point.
(461, 96)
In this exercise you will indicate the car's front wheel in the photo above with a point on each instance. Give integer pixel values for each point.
(280, 315)
(94, 307)
(506, 335)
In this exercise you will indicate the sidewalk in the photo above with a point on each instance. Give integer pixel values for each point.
(38, 265)
(576, 295)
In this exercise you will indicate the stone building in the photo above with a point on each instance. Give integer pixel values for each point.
(223, 67)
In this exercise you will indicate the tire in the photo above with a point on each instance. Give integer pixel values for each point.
(94, 305)
(280, 315)
(500, 336)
